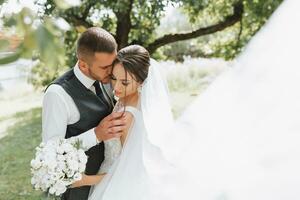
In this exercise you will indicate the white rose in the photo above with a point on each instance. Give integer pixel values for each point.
(70, 173)
(59, 150)
(82, 156)
(67, 147)
(37, 186)
(33, 181)
(54, 177)
(42, 144)
(60, 158)
(59, 187)
(72, 164)
(71, 155)
(81, 167)
(44, 187)
(61, 166)
(51, 164)
(52, 190)
(35, 164)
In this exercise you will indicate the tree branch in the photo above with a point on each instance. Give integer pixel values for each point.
(170, 38)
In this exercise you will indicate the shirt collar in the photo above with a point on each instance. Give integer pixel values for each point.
(85, 80)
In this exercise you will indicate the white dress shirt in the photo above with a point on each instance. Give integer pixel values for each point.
(59, 110)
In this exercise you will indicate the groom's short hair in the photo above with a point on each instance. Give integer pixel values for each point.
(94, 40)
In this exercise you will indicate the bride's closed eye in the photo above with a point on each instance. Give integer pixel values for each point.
(124, 82)
(112, 77)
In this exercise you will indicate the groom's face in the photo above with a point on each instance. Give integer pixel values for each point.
(99, 66)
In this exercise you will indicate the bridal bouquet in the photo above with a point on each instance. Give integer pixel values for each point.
(58, 164)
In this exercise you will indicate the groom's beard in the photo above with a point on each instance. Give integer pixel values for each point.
(106, 80)
(94, 76)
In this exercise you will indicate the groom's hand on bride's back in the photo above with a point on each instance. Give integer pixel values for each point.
(111, 126)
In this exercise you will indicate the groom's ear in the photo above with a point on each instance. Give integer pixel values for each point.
(83, 66)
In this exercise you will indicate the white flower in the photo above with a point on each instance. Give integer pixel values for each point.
(59, 150)
(82, 167)
(70, 173)
(67, 147)
(37, 186)
(35, 164)
(50, 164)
(59, 187)
(33, 181)
(82, 156)
(72, 164)
(52, 190)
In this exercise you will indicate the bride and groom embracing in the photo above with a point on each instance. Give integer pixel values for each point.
(81, 104)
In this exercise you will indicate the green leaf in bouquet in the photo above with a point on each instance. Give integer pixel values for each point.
(77, 144)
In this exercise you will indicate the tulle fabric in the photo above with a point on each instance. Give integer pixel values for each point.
(244, 131)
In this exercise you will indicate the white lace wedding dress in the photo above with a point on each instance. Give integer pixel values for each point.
(238, 141)
(119, 173)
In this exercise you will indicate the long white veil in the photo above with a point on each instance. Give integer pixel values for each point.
(155, 106)
(244, 131)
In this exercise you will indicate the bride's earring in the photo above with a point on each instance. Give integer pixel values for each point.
(139, 89)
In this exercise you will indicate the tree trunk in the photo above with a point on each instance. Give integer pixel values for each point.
(123, 25)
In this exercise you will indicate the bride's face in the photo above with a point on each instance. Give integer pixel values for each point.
(123, 82)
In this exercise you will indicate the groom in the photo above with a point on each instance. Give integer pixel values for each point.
(79, 103)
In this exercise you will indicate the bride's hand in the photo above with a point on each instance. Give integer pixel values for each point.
(88, 180)
(111, 126)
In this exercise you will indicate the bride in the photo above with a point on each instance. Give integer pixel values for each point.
(239, 140)
(142, 93)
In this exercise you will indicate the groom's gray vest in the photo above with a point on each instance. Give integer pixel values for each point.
(92, 110)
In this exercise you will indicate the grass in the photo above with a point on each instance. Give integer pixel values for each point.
(17, 149)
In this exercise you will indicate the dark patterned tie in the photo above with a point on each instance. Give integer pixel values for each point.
(99, 92)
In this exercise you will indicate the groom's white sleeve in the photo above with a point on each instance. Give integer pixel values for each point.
(55, 116)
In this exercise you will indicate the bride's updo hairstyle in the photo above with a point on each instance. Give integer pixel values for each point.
(136, 60)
